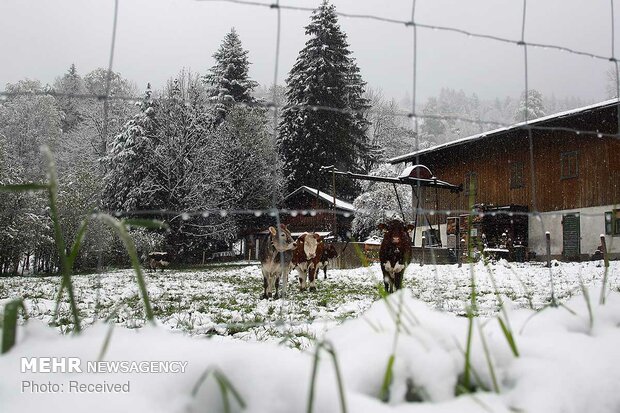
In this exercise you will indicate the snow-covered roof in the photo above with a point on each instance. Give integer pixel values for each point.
(340, 204)
(409, 156)
(323, 234)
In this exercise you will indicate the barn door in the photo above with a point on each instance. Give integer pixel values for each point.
(571, 244)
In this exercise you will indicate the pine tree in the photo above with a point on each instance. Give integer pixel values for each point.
(325, 75)
(229, 79)
(70, 83)
(535, 106)
(127, 180)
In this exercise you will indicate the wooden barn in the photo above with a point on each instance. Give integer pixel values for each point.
(308, 199)
(575, 187)
(305, 201)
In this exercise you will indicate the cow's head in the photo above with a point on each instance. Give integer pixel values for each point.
(281, 238)
(310, 242)
(395, 231)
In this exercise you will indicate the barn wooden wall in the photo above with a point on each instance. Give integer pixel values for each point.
(598, 182)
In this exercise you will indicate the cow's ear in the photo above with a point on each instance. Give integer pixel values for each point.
(317, 237)
(382, 227)
(410, 227)
(272, 230)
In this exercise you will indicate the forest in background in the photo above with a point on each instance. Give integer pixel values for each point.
(206, 142)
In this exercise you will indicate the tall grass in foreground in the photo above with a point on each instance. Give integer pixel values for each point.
(67, 260)
(225, 386)
(9, 323)
(327, 346)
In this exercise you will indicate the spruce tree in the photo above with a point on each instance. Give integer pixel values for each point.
(229, 79)
(324, 75)
(535, 106)
(70, 83)
(127, 182)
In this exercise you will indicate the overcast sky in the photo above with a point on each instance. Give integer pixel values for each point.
(40, 38)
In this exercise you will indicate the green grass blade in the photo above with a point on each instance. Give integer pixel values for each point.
(106, 342)
(487, 355)
(586, 296)
(121, 229)
(361, 255)
(223, 384)
(76, 244)
(223, 391)
(52, 190)
(471, 310)
(232, 389)
(509, 337)
(315, 366)
(332, 352)
(23, 187)
(205, 374)
(9, 324)
(467, 368)
(387, 380)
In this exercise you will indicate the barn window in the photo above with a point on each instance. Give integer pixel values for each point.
(471, 183)
(570, 167)
(612, 222)
(516, 175)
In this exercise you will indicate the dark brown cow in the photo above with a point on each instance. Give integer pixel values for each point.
(395, 253)
(306, 259)
(329, 252)
(275, 257)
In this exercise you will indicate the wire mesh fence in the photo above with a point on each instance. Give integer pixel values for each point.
(429, 214)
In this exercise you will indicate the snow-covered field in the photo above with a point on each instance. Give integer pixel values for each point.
(568, 355)
(225, 300)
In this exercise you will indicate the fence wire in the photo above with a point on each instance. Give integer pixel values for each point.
(276, 212)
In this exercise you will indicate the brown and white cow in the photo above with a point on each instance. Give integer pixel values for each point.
(329, 252)
(306, 259)
(275, 257)
(395, 252)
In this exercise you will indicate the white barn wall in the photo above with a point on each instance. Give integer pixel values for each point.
(591, 226)
(420, 231)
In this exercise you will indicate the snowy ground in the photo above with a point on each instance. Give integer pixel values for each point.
(567, 355)
(225, 300)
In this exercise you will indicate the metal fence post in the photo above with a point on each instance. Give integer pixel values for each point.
(548, 241)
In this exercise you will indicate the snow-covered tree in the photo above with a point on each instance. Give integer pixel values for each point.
(378, 201)
(611, 85)
(28, 121)
(389, 131)
(325, 75)
(248, 149)
(228, 79)
(535, 106)
(70, 83)
(127, 185)
(119, 110)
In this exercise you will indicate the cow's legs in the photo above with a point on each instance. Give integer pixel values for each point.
(264, 286)
(271, 280)
(387, 281)
(312, 274)
(325, 272)
(302, 278)
(398, 279)
(277, 287)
